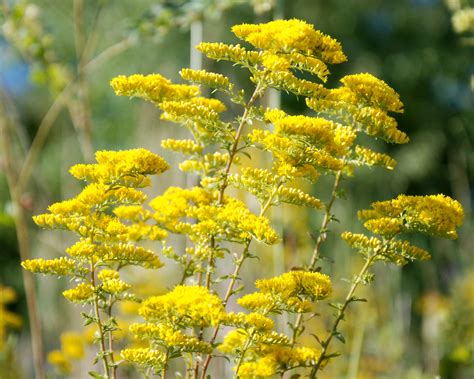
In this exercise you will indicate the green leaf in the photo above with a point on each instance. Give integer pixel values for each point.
(339, 336)
(96, 375)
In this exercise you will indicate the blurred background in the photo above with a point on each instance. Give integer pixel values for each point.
(56, 61)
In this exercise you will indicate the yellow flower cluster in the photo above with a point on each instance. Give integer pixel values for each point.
(399, 252)
(118, 167)
(294, 157)
(234, 53)
(275, 359)
(167, 335)
(293, 291)
(111, 282)
(298, 197)
(249, 321)
(84, 292)
(8, 319)
(318, 132)
(206, 165)
(184, 306)
(435, 214)
(363, 102)
(59, 266)
(185, 146)
(230, 221)
(286, 81)
(374, 91)
(207, 78)
(145, 357)
(372, 158)
(291, 35)
(313, 285)
(259, 182)
(154, 87)
(133, 213)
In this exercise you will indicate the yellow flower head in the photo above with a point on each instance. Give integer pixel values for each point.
(84, 292)
(154, 359)
(435, 214)
(374, 91)
(210, 79)
(185, 306)
(154, 87)
(59, 266)
(297, 283)
(289, 36)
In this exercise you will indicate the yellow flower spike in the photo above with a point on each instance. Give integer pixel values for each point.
(84, 292)
(168, 335)
(274, 62)
(257, 301)
(289, 36)
(128, 254)
(375, 91)
(135, 213)
(233, 341)
(114, 286)
(247, 321)
(234, 53)
(184, 306)
(144, 357)
(360, 241)
(286, 81)
(185, 146)
(59, 266)
(107, 274)
(384, 226)
(310, 64)
(210, 79)
(434, 214)
(298, 197)
(264, 368)
(83, 249)
(154, 87)
(372, 158)
(297, 283)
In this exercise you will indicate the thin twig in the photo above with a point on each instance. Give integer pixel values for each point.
(316, 251)
(340, 315)
(23, 246)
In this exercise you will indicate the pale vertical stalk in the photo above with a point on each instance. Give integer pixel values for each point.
(356, 348)
(23, 246)
(81, 115)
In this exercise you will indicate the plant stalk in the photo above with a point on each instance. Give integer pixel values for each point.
(23, 245)
(340, 315)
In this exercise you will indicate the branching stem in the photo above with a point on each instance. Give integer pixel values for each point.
(340, 315)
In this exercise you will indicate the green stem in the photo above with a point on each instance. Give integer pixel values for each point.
(235, 275)
(165, 366)
(340, 315)
(103, 350)
(242, 355)
(111, 339)
(317, 248)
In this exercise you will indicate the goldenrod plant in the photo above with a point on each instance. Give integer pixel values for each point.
(192, 323)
